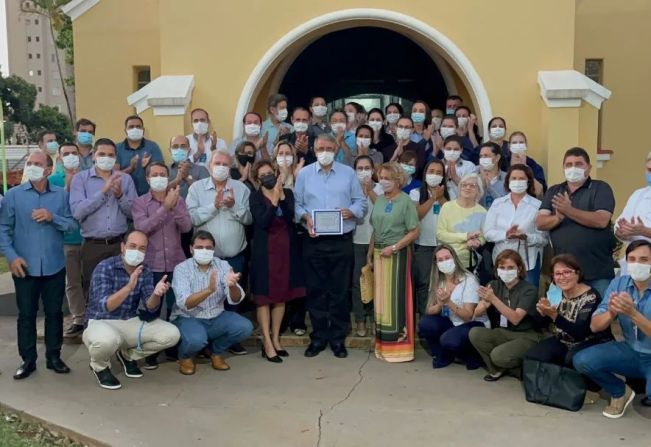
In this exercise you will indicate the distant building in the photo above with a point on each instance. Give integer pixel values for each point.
(32, 55)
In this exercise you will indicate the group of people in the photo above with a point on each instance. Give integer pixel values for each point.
(288, 215)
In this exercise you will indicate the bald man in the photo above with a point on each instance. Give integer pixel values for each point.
(33, 220)
(183, 171)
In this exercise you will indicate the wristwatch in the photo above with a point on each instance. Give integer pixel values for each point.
(394, 249)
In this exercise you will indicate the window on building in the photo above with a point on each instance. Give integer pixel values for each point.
(29, 56)
(37, 38)
(40, 89)
(594, 69)
(38, 55)
(35, 21)
(142, 76)
(38, 72)
(29, 38)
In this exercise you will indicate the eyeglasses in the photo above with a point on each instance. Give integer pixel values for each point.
(468, 185)
(564, 273)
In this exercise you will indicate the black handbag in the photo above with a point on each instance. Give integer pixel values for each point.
(553, 385)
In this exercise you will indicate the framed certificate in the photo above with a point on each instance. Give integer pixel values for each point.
(328, 222)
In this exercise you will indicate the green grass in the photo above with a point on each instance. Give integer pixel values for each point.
(15, 432)
(4, 266)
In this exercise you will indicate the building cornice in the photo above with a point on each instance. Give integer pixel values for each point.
(76, 8)
(567, 88)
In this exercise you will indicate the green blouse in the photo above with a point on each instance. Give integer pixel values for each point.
(392, 219)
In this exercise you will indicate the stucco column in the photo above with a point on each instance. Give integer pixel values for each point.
(570, 117)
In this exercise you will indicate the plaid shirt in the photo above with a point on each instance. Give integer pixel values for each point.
(110, 276)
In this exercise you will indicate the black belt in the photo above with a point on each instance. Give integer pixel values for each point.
(104, 241)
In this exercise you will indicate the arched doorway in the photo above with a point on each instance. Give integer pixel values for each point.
(454, 67)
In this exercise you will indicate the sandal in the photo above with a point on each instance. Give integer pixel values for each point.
(300, 332)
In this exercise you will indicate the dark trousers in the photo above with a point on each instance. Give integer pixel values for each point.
(328, 268)
(169, 297)
(447, 341)
(92, 253)
(421, 272)
(551, 350)
(186, 242)
(360, 310)
(51, 290)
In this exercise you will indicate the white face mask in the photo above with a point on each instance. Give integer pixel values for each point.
(281, 115)
(387, 185)
(338, 127)
(507, 276)
(105, 163)
(363, 175)
(518, 148)
(409, 169)
(284, 160)
(351, 116)
(203, 256)
(320, 110)
(403, 134)
(300, 127)
(135, 134)
(70, 161)
(34, 173)
(375, 125)
(639, 272)
(393, 118)
(447, 132)
(433, 180)
(518, 186)
(497, 132)
(486, 163)
(252, 130)
(462, 120)
(200, 127)
(363, 142)
(158, 184)
(574, 174)
(451, 155)
(437, 122)
(446, 267)
(325, 158)
(220, 173)
(133, 257)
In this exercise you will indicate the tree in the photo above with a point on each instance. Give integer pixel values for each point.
(64, 42)
(49, 118)
(18, 97)
(51, 10)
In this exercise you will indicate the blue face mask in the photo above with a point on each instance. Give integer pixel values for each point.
(648, 178)
(418, 117)
(179, 155)
(85, 138)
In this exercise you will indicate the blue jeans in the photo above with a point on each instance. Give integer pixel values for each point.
(600, 285)
(447, 341)
(221, 332)
(602, 362)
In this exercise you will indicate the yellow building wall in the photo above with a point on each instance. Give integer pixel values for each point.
(619, 33)
(110, 40)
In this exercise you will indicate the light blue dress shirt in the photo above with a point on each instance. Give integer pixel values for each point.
(39, 244)
(269, 128)
(317, 189)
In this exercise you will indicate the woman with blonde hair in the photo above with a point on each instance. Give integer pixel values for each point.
(287, 163)
(395, 227)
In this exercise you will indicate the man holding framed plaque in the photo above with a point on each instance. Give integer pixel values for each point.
(329, 201)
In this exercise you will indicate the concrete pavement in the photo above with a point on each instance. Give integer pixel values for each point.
(322, 402)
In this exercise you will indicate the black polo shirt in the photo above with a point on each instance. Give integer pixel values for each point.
(592, 247)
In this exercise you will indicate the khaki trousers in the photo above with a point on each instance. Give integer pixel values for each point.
(502, 349)
(74, 289)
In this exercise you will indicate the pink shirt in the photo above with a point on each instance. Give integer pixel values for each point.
(164, 228)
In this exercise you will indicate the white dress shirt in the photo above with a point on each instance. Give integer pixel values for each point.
(194, 147)
(225, 224)
(502, 215)
(638, 205)
(464, 167)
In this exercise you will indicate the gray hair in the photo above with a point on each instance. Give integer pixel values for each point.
(327, 137)
(480, 185)
(220, 152)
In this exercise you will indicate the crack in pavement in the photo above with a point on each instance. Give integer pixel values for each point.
(322, 413)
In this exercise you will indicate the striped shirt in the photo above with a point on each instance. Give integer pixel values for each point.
(188, 279)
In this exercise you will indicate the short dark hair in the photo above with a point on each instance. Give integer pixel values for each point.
(577, 152)
(637, 244)
(251, 113)
(514, 256)
(133, 117)
(84, 122)
(527, 171)
(159, 164)
(364, 126)
(397, 106)
(301, 109)
(315, 97)
(274, 99)
(496, 118)
(454, 138)
(42, 134)
(376, 110)
(408, 156)
(455, 98)
(130, 232)
(105, 142)
(451, 117)
(570, 261)
(203, 235)
(495, 148)
(67, 143)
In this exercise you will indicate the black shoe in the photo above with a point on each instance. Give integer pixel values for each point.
(274, 359)
(74, 330)
(151, 362)
(493, 377)
(57, 365)
(25, 370)
(238, 349)
(646, 401)
(339, 350)
(313, 350)
(130, 366)
(106, 379)
(282, 353)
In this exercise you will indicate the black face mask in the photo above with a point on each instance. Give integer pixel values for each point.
(268, 181)
(243, 159)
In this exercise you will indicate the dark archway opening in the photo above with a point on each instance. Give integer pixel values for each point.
(364, 62)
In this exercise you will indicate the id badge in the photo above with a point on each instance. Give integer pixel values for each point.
(504, 322)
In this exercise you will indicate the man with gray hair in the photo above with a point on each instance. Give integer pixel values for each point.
(328, 258)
